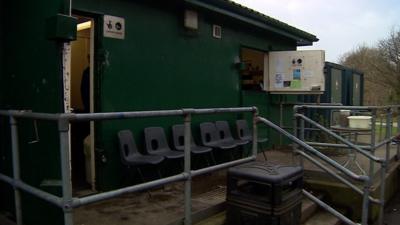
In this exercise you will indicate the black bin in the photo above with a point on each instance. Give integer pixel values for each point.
(262, 193)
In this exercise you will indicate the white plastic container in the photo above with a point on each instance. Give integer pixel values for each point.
(361, 122)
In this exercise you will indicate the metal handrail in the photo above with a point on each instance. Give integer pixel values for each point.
(348, 143)
(67, 202)
(298, 114)
(328, 208)
(365, 179)
(345, 107)
(333, 163)
(335, 175)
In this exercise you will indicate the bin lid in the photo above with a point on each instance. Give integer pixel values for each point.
(266, 172)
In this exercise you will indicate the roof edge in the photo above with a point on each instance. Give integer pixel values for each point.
(247, 15)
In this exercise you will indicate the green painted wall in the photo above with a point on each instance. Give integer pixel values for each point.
(160, 65)
(30, 80)
(2, 18)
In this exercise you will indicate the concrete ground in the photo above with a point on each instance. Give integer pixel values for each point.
(160, 206)
(392, 211)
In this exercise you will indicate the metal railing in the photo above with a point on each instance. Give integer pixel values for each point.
(334, 164)
(67, 202)
(367, 150)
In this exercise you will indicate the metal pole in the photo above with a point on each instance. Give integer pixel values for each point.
(280, 118)
(388, 132)
(365, 204)
(315, 152)
(63, 129)
(371, 172)
(32, 190)
(295, 133)
(188, 181)
(255, 134)
(385, 164)
(328, 208)
(302, 137)
(78, 202)
(382, 194)
(322, 144)
(335, 175)
(16, 167)
(340, 138)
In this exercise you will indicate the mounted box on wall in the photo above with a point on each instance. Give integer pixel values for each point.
(295, 72)
(61, 28)
(191, 20)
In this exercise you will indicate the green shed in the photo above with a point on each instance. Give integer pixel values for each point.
(125, 56)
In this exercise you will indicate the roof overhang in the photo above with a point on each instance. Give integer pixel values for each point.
(253, 18)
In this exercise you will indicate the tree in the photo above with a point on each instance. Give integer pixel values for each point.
(389, 49)
(381, 67)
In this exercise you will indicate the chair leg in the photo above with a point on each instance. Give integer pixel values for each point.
(160, 176)
(263, 152)
(231, 155)
(141, 176)
(213, 158)
(159, 173)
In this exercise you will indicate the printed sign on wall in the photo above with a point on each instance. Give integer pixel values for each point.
(114, 27)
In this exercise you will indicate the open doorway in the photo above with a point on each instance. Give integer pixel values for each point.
(255, 65)
(82, 101)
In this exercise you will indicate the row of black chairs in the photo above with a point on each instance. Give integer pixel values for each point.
(213, 136)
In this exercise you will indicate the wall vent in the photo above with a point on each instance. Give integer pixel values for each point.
(217, 31)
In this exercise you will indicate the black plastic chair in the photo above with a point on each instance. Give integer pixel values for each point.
(130, 156)
(156, 143)
(178, 133)
(210, 138)
(244, 133)
(226, 135)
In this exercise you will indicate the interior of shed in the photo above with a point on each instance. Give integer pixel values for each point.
(81, 100)
(254, 67)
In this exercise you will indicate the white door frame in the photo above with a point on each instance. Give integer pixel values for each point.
(67, 97)
(92, 134)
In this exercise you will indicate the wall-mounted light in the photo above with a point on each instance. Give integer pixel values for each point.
(191, 20)
(84, 25)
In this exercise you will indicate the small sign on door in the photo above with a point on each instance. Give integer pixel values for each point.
(114, 27)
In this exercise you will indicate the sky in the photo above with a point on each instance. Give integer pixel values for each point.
(340, 25)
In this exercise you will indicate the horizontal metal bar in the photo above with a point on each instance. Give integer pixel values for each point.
(382, 143)
(156, 113)
(333, 134)
(121, 115)
(321, 144)
(222, 166)
(314, 151)
(29, 114)
(306, 103)
(332, 173)
(55, 200)
(345, 107)
(328, 208)
(77, 202)
(224, 110)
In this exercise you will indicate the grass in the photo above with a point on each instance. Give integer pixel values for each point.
(395, 130)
